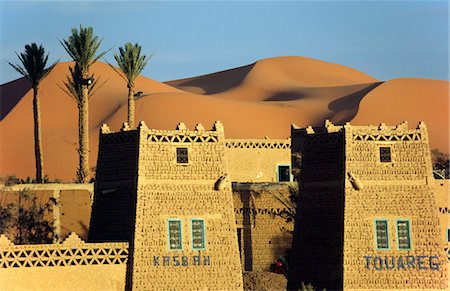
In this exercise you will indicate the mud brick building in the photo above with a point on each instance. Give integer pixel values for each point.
(367, 215)
(168, 194)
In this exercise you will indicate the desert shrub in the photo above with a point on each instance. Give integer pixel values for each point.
(10, 180)
(28, 221)
(14, 180)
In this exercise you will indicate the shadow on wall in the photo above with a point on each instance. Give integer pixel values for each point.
(281, 244)
(247, 219)
(317, 247)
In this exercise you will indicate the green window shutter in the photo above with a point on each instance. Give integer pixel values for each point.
(198, 234)
(382, 234)
(175, 242)
(403, 235)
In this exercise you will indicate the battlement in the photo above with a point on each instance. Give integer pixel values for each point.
(381, 132)
(181, 134)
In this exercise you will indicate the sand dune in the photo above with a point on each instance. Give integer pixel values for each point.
(253, 101)
(413, 100)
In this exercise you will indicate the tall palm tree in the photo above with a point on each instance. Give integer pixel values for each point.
(131, 64)
(82, 47)
(33, 65)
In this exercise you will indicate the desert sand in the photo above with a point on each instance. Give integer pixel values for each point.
(261, 99)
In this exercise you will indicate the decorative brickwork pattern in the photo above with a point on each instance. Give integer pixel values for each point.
(29, 266)
(384, 173)
(72, 252)
(258, 144)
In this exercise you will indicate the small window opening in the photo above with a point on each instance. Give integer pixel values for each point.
(385, 154)
(284, 173)
(182, 156)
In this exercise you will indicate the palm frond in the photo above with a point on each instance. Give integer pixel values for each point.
(130, 61)
(33, 61)
(82, 46)
(119, 72)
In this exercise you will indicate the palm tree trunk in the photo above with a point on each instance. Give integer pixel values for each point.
(37, 136)
(83, 137)
(131, 106)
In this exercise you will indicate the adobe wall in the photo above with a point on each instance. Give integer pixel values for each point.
(256, 160)
(264, 233)
(114, 206)
(72, 265)
(72, 211)
(443, 206)
(317, 246)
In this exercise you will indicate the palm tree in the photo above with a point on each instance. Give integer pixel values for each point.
(131, 64)
(82, 47)
(33, 65)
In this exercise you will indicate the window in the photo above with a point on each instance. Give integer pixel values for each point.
(448, 234)
(385, 154)
(198, 234)
(382, 234)
(175, 242)
(403, 235)
(182, 156)
(284, 173)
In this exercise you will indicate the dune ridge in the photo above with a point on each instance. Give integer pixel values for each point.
(253, 101)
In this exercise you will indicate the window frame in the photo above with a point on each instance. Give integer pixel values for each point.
(179, 220)
(409, 234)
(278, 172)
(192, 234)
(176, 155)
(387, 234)
(390, 154)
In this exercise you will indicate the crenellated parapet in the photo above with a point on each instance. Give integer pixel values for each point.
(181, 134)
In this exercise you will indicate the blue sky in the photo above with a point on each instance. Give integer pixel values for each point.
(385, 39)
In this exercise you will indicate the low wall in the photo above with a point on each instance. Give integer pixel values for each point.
(72, 265)
(72, 210)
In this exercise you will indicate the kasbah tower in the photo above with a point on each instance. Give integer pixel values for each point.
(167, 193)
(366, 215)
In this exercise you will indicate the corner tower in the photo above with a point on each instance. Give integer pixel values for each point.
(179, 214)
(367, 217)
